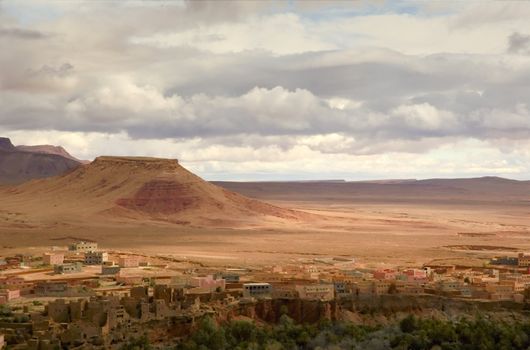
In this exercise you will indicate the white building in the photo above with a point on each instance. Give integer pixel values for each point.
(257, 290)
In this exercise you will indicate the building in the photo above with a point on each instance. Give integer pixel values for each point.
(53, 258)
(96, 258)
(129, 261)
(257, 290)
(51, 288)
(110, 269)
(209, 282)
(504, 260)
(415, 274)
(8, 295)
(68, 268)
(380, 287)
(385, 274)
(12, 282)
(83, 247)
(230, 277)
(316, 291)
(500, 291)
(130, 280)
(523, 259)
(284, 292)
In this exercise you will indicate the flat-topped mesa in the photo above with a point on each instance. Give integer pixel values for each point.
(135, 162)
(144, 188)
(127, 159)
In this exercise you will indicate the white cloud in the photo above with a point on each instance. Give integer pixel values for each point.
(264, 89)
(278, 34)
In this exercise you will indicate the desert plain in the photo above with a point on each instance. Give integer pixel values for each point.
(388, 223)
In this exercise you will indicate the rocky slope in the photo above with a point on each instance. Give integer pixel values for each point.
(19, 165)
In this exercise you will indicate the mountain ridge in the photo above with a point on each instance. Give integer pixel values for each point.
(18, 165)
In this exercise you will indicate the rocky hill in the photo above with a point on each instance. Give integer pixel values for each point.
(135, 188)
(18, 165)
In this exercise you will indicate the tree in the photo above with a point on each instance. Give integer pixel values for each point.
(408, 324)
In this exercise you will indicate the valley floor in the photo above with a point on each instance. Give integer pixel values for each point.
(375, 234)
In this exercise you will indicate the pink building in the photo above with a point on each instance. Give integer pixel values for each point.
(8, 295)
(208, 282)
(415, 274)
(386, 274)
(53, 258)
(129, 261)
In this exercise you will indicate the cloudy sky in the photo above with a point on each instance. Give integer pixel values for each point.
(274, 90)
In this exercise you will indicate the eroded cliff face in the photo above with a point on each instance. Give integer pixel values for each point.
(372, 310)
(378, 310)
(301, 311)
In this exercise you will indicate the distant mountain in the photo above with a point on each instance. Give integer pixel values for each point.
(49, 149)
(6, 145)
(22, 164)
(139, 189)
(483, 189)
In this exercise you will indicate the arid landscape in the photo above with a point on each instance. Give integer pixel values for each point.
(156, 206)
(264, 175)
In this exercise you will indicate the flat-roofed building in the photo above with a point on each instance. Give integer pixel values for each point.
(383, 286)
(68, 268)
(129, 261)
(385, 274)
(51, 288)
(7, 295)
(523, 259)
(110, 269)
(82, 247)
(316, 291)
(96, 258)
(209, 282)
(500, 291)
(53, 258)
(230, 277)
(257, 290)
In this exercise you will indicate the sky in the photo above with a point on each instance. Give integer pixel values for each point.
(270, 90)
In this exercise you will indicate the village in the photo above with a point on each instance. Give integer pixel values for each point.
(82, 296)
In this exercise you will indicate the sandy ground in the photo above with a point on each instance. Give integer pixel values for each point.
(375, 234)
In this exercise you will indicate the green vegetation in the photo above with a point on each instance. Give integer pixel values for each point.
(242, 335)
(480, 334)
(412, 333)
(5, 310)
(141, 343)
